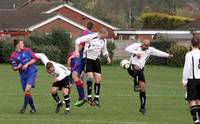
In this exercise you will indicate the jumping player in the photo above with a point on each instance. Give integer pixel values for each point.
(60, 82)
(77, 66)
(23, 60)
(96, 44)
(140, 54)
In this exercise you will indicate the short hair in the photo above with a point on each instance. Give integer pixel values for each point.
(103, 30)
(15, 42)
(90, 25)
(49, 65)
(195, 42)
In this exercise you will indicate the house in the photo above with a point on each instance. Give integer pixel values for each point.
(44, 15)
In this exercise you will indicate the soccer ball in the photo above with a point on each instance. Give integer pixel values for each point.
(125, 64)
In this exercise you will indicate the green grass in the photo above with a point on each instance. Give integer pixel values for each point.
(165, 104)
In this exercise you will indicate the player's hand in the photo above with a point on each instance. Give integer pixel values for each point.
(136, 67)
(19, 66)
(109, 60)
(138, 56)
(171, 55)
(55, 80)
(185, 87)
(24, 67)
(76, 54)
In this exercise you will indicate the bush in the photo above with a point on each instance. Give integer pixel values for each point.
(179, 53)
(6, 48)
(161, 44)
(59, 40)
(111, 47)
(162, 21)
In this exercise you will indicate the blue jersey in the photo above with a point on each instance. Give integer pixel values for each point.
(23, 57)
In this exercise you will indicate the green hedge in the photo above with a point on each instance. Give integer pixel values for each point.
(162, 21)
(179, 53)
(6, 48)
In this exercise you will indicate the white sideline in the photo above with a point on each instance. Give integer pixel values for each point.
(95, 121)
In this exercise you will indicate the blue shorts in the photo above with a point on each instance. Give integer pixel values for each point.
(29, 79)
(77, 65)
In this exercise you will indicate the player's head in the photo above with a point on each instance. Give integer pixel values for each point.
(195, 43)
(103, 33)
(49, 67)
(146, 42)
(18, 44)
(90, 25)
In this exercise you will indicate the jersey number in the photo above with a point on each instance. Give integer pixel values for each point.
(199, 64)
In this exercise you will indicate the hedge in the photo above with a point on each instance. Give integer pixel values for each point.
(162, 21)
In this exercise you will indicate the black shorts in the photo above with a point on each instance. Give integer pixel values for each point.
(138, 75)
(92, 65)
(65, 83)
(193, 89)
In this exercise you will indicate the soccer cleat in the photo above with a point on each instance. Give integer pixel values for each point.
(32, 111)
(97, 103)
(91, 102)
(80, 103)
(22, 111)
(143, 111)
(67, 112)
(58, 107)
(197, 122)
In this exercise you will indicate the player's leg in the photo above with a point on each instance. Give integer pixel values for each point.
(31, 84)
(198, 107)
(54, 93)
(192, 98)
(80, 88)
(90, 75)
(142, 93)
(97, 87)
(66, 92)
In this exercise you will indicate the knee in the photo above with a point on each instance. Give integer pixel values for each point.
(66, 91)
(98, 79)
(142, 86)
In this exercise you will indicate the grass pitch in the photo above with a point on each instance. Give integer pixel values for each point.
(165, 103)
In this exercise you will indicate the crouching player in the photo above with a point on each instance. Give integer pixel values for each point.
(60, 82)
(23, 60)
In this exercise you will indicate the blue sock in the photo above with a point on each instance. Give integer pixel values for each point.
(26, 100)
(80, 89)
(31, 103)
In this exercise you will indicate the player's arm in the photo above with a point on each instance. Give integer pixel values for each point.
(42, 57)
(106, 53)
(159, 53)
(186, 70)
(132, 48)
(69, 60)
(31, 62)
(82, 39)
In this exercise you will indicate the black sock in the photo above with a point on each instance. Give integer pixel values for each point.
(89, 89)
(56, 97)
(194, 113)
(97, 91)
(67, 102)
(143, 99)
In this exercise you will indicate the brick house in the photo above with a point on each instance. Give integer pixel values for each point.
(44, 15)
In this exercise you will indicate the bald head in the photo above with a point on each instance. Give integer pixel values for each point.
(103, 33)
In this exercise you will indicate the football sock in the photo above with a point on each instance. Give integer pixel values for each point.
(143, 99)
(198, 110)
(89, 89)
(56, 97)
(26, 99)
(67, 102)
(194, 113)
(79, 86)
(97, 90)
(31, 103)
